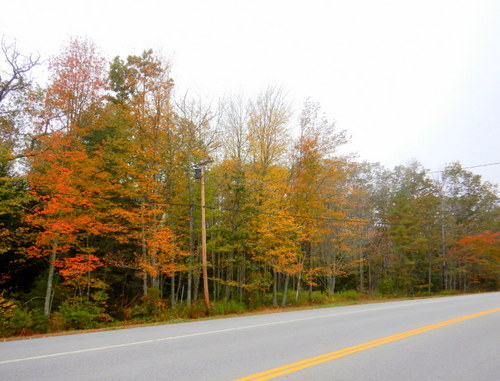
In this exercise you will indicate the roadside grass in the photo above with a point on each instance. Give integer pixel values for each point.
(182, 313)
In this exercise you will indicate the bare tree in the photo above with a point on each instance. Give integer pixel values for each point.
(199, 126)
(14, 76)
(235, 124)
(268, 128)
(15, 83)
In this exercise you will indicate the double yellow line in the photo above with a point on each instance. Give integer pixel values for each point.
(357, 348)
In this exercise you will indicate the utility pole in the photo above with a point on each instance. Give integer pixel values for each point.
(200, 174)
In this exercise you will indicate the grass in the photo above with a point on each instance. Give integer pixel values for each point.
(182, 313)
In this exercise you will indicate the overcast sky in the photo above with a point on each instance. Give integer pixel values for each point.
(406, 79)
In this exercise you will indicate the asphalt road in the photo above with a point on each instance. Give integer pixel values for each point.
(348, 338)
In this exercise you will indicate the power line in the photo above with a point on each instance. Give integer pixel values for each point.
(331, 219)
(321, 183)
(222, 209)
(270, 182)
(473, 166)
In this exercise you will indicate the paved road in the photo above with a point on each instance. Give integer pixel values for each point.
(235, 348)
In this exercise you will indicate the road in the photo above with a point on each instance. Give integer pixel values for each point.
(450, 338)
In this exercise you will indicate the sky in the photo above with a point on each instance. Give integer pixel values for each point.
(407, 80)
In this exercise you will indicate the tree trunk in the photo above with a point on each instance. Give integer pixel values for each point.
(361, 272)
(331, 288)
(50, 279)
(196, 286)
(429, 274)
(297, 291)
(285, 290)
(229, 276)
(241, 280)
(275, 289)
(144, 252)
(172, 290)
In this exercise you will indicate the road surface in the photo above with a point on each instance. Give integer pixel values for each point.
(450, 338)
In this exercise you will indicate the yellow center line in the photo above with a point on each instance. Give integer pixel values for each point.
(276, 372)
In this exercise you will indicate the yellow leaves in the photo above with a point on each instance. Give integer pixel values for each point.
(6, 306)
(277, 241)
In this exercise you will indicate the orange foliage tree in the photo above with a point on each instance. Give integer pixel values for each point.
(63, 177)
(477, 257)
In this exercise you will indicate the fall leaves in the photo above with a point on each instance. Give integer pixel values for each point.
(110, 201)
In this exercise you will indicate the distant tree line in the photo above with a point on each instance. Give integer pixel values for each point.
(99, 206)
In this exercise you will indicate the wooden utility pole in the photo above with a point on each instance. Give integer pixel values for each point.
(200, 173)
(204, 243)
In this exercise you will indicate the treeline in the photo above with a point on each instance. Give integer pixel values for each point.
(100, 207)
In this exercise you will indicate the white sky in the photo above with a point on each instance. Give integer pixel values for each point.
(406, 79)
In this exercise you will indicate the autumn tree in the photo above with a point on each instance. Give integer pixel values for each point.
(268, 133)
(78, 83)
(142, 90)
(317, 194)
(268, 118)
(62, 177)
(468, 207)
(478, 258)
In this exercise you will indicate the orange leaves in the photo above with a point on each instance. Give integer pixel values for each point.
(162, 254)
(65, 177)
(79, 79)
(477, 255)
(483, 247)
(78, 265)
(483, 241)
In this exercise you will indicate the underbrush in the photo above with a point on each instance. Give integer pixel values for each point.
(348, 295)
(72, 315)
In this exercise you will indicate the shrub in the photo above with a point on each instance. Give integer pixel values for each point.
(193, 311)
(40, 322)
(20, 322)
(347, 295)
(230, 307)
(8, 308)
(259, 300)
(151, 306)
(385, 286)
(449, 292)
(78, 315)
(318, 297)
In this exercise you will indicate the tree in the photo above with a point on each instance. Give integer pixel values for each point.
(14, 73)
(142, 90)
(412, 227)
(78, 83)
(15, 86)
(268, 136)
(319, 194)
(268, 118)
(468, 207)
(62, 176)
(478, 257)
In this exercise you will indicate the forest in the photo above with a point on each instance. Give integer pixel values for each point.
(101, 212)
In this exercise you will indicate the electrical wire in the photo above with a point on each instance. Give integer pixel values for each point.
(473, 166)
